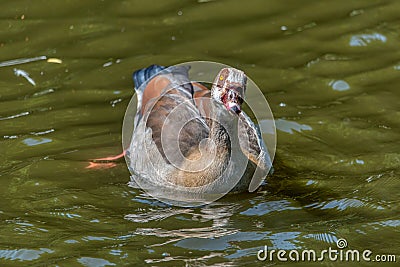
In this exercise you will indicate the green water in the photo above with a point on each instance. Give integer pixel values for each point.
(330, 71)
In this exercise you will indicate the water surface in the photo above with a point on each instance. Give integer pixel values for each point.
(330, 71)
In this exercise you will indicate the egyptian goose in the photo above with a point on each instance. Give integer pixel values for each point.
(192, 138)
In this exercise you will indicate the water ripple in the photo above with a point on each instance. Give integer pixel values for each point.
(23, 254)
(365, 39)
(267, 207)
(94, 262)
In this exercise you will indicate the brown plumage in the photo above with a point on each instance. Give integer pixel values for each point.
(190, 137)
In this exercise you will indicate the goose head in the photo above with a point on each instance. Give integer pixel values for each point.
(229, 89)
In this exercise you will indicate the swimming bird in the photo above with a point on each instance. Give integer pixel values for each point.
(192, 138)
